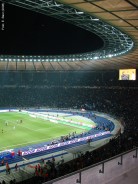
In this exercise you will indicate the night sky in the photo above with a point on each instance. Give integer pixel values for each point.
(30, 33)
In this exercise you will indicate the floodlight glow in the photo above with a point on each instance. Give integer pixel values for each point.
(79, 12)
(115, 41)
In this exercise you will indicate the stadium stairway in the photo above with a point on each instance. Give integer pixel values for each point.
(19, 175)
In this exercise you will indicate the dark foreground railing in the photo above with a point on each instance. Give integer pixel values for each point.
(113, 167)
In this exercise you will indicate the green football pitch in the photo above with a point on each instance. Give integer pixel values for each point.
(14, 133)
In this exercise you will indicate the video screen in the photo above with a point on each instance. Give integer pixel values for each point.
(127, 74)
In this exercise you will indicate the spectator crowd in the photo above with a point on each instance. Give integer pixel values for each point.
(91, 92)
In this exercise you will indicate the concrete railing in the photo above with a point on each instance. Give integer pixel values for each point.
(103, 172)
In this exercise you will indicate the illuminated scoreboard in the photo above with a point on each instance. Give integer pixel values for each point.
(127, 74)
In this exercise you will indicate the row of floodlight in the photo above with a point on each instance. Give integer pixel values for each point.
(123, 48)
(82, 57)
(39, 59)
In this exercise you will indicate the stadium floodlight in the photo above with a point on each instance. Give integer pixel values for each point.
(95, 19)
(79, 12)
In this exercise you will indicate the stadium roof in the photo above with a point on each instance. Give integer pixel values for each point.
(116, 22)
